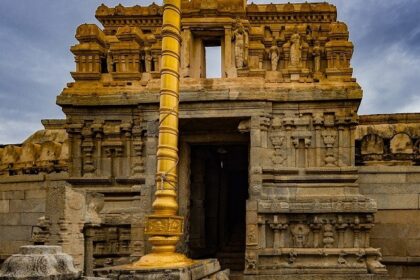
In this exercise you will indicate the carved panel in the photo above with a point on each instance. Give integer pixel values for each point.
(110, 243)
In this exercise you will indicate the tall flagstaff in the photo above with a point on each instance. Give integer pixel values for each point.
(164, 227)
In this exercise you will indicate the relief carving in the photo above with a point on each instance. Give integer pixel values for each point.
(295, 50)
(300, 235)
(274, 56)
(240, 36)
(252, 235)
(317, 53)
(401, 144)
(164, 225)
(251, 262)
(280, 156)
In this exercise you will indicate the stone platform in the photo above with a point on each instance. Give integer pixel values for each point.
(204, 269)
(345, 276)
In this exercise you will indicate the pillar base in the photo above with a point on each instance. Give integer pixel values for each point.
(209, 269)
(170, 260)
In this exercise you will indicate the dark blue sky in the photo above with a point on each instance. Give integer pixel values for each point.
(35, 61)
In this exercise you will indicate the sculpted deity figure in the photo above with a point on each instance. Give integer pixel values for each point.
(241, 45)
(316, 52)
(109, 62)
(295, 50)
(148, 61)
(274, 55)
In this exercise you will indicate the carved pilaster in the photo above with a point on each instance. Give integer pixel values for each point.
(316, 228)
(341, 227)
(137, 169)
(262, 222)
(328, 237)
(87, 151)
(329, 136)
(279, 225)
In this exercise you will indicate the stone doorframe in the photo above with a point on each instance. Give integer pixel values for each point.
(184, 170)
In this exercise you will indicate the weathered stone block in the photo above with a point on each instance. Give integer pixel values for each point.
(9, 248)
(4, 206)
(411, 272)
(394, 246)
(28, 205)
(396, 201)
(390, 231)
(29, 219)
(384, 178)
(410, 217)
(29, 194)
(251, 217)
(393, 188)
(413, 177)
(413, 248)
(41, 263)
(12, 233)
(12, 195)
(395, 271)
(11, 219)
(251, 205)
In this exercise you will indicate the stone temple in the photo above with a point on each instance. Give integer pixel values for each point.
(279, 177)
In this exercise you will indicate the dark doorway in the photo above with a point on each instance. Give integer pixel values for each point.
(219, 190)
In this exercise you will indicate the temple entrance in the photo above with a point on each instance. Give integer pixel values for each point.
(219, 190)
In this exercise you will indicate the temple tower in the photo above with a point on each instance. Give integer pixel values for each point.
(267, 175)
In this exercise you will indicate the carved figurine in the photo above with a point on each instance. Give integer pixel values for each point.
(148, 62)
(241, 45)
(109, 62)
(274, 56)
(316, 52)
(295, 50)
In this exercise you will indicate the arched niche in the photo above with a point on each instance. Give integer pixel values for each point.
(372, 144)
(401, 144)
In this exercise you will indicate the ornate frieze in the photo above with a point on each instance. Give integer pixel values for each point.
(339, 205)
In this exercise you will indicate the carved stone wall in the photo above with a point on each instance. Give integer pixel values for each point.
(46, 152)
(389, 173)
(26, 172)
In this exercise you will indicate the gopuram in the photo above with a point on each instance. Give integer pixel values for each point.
(278, 177)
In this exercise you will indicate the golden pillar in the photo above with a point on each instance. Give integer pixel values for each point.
(164, 227)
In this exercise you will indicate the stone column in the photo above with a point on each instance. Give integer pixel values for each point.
(228, 51)
(262, 242)
(89, 264)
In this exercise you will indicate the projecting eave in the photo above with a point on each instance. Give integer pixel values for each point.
(210, 90)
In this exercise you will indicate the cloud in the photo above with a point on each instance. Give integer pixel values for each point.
(16, 131)
(35, 60)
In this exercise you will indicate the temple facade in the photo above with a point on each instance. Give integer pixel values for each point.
(279, 177)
